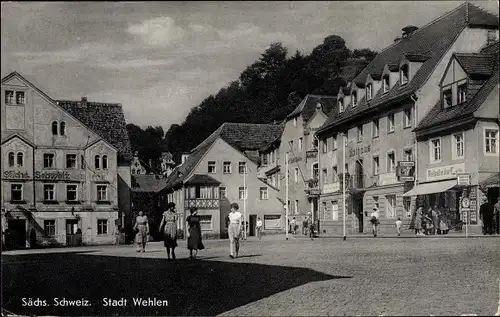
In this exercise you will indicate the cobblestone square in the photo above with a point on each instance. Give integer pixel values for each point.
(326, 277)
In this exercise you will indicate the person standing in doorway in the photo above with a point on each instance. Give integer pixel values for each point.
(374, 219)
(141, 229)
(258, 228)
(169, 226)
(234, 230)
(194, 233)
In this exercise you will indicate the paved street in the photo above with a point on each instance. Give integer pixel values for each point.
(431, 276)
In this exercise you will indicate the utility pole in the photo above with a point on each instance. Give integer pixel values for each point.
(245, 191)
(286, 195)
(343, 184)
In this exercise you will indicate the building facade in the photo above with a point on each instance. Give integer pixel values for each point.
(377, 113)
(60, 178)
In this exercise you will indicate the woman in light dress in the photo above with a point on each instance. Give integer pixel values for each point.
(418, 220)
(142, 230)
(169, 227)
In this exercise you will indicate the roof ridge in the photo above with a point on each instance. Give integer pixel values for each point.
(323, 96)
(107, 104)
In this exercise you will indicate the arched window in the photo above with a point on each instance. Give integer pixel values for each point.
(11, 159)
(104, 162)
(62, 128)
(97, 161)
(20, 159)
(54, 128)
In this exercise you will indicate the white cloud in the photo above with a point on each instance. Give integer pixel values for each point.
(161, 31)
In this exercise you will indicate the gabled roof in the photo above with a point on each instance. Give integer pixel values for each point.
(490, 48)
(105, 119)
(308, 106)
(148, 183)
(475, 98)
(432, 40)
(476, 64)
(201, 179)
(247, 138)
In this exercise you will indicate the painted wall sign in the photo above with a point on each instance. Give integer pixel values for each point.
(331, 188)
(359, 150)
(55, 175)
(444, 172)
(15, 175)
(311, 154)
(406, 171)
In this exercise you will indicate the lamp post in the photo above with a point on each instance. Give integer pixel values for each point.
(286, 195)
(343, 185)
(245, 192)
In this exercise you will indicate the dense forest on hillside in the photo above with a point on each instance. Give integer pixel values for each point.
(267, 90)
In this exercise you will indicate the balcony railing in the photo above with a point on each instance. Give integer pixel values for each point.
(202, 203)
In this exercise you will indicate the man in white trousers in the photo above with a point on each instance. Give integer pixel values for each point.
(234, 230)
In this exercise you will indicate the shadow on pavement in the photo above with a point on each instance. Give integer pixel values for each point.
(191, 287)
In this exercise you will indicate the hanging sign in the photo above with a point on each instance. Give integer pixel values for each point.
(463, 179)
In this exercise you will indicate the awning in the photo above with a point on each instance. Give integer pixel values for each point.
(492, 181)
(431, 188)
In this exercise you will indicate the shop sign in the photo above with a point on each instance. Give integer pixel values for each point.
(331, 188)
(15, 175)
(444, 172)
(359, 150)
(312, 154)
(313, 192)
(55, 175)
(463, 179)
(406, 171)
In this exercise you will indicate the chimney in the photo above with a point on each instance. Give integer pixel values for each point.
(184, 157)
(84, 102)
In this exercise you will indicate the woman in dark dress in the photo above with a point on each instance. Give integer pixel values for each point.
(194, 233)
(169, 227)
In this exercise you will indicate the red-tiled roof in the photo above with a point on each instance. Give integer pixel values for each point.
(308, 106)
(432, 40)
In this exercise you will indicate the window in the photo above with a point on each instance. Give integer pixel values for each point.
(9, 97)
(462, 93)
(296, 174)
(264, 160)
(300, 144)
(360, 133)
(369, 91)
(20, 159)
(16, 192)
(385, 84)
(403, 74)
(335, 210)
(335, 144)
(295, 122)
(102, 226)
(435, 147)
(242, 193)
(354, 97)
(242, 167)
(97, 161)
(102, 192)
(390, 123)
(62, 128)
(49, 226)
(222, 192)
(447, 98)
(71, 192)
(54, 128)
(296, 206)
(263, 193)
(341, 105)
(407, 118)
(20, 97)
(226, 167)
(325, 146)
(325, 176)
(206, 222)
(324, 214)
(407, 206)
(458, 145)
(315, 143)
(408, 155)
(491, 141)
(71, 161)
(49, 192)
(104, 162)
(48, 160)
(375, 202)
(390, 206)
(375, 125)
(315, 171)
(376, 166)
(271, 157)
(11, 159)
(291, 145)
(391, 162)
(346, 168)
(335, 174)
(211, 167)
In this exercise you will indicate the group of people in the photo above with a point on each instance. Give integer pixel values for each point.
(168, 227)
(431, 222)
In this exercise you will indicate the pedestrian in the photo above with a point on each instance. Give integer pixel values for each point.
(399, 224)
(418, 220)
(374, 219)
(194, 233)
(169, 227)
(258, 228)
(117, 235)
(304, 226)
(435, 219)
(496, 217)
(443, 222)
(486, 215)
(310, 225)
(234, 230)
(141, 229)
(294, 225)
(33, 238)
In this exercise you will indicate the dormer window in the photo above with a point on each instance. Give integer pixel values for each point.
(462, 93)
(403, 74)
(341, 105)
(369, 92)
(447, 98)
(354, 97)
(385, 83)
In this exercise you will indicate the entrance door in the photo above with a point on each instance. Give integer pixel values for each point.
(358, 211)
(253, 223)
(18, 235)
(71, 227)
(314, 203)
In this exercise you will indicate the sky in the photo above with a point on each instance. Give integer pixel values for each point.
(160, 59)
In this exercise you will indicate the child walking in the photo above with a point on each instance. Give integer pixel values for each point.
(399, 224)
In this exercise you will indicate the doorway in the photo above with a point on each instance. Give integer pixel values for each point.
(358, 211)
(71, 228)
(253, 223)
(18, 234)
